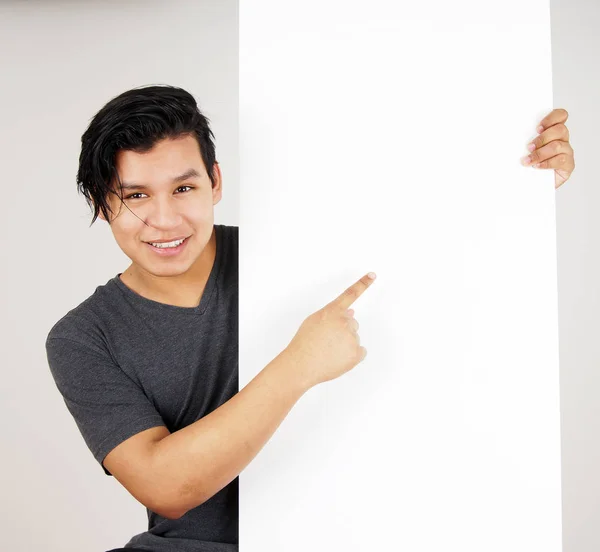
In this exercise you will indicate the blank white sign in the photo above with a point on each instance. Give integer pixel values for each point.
(387, 136)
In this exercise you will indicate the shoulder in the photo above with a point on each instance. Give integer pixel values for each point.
(84, 323)
(230, 240)
(230, 231)
(228, 257)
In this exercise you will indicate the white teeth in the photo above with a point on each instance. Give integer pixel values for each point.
(167, 244)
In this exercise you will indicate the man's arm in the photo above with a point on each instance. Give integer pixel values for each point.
(208, 454)
(194, 463)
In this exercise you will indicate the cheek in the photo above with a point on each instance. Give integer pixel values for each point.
(125, 232)
(198, 211)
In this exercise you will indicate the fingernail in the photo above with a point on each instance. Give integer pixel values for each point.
(526, 160)
(537, 166)
(372, 275)
(540, 129)
(531, 146)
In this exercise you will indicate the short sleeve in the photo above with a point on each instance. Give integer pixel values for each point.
(107, 405)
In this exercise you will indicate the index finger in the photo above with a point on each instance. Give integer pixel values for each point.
(354, 291)
(554, 117)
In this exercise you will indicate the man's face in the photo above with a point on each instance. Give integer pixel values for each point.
(172, 209)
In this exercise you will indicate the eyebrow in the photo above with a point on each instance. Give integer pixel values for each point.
(190, 173)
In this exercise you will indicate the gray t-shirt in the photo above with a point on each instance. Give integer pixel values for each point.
(124, 363)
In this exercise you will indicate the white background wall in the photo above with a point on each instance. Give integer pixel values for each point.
(576, 48)
(60, 63)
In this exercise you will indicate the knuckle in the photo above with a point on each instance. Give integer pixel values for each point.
(563, 131)
(351, 292)
(562, 159)
(320, 315)
(556, 147)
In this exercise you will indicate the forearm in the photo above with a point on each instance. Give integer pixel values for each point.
(197, 461)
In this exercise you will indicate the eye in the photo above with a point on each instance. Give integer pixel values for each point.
(190, 187)
(131, 196)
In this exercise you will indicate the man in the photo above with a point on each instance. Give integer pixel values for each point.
(148, 364)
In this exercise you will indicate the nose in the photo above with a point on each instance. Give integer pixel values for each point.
(164, 214)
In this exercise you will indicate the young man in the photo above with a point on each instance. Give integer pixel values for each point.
(148, 364)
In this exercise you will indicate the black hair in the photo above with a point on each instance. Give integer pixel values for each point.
(135, 120)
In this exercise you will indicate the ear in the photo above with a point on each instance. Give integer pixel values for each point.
(100, 213)
(218, 183)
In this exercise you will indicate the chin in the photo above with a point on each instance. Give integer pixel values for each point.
(162, 267)
(166, 271)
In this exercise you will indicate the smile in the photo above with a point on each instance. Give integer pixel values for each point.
(168, 248)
